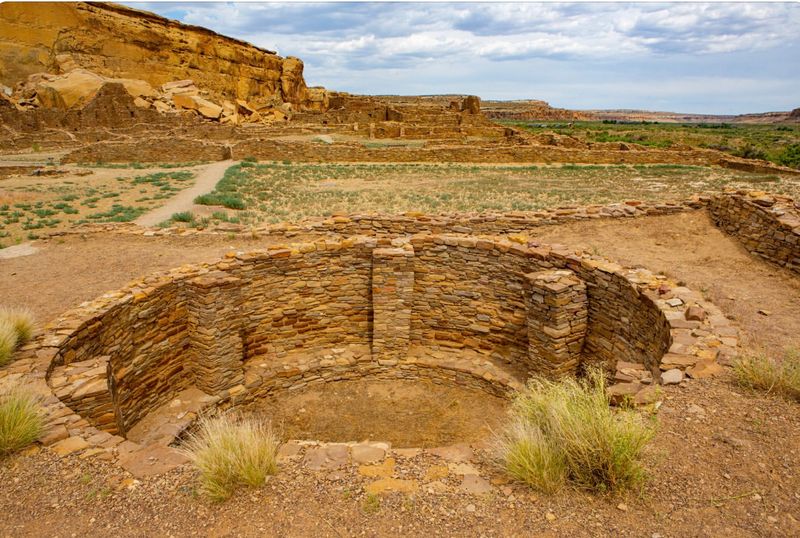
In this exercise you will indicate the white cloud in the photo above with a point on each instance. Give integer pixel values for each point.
(372, 45)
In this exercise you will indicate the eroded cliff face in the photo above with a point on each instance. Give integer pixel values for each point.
(120, 42)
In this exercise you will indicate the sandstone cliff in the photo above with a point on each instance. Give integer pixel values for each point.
(119, 42)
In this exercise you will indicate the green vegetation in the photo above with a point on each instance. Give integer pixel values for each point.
(565, 432)
(231, 452)
(275, 192)
(16, 328)
(759, 372)
(20, 421)
(230, 201)
(779, 144)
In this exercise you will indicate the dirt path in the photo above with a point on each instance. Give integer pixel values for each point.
(207, 178)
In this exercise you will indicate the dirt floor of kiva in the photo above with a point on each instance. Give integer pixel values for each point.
(723, 463)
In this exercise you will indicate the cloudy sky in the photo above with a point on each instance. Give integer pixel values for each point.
(722, 58)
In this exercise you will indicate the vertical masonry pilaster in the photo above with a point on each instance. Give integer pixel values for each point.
(392, 299)
(214, 304)
(557, 320)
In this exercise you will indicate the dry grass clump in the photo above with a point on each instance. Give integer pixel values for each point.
(16, 328)
(565, 432)
(20, 421)
(759, 372)
(231, 451)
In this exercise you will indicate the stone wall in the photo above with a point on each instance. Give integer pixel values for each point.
(447, 308)
(768, 226)
(148, 150)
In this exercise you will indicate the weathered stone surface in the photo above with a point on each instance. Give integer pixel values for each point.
(69, 445)
(152, 460)
(671, 377)
(475, 485)
(82, 34)
(392, 485)
(366, 453)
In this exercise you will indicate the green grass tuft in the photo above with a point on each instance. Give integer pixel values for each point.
(565, 432)
(231, 452)
(8, 341)
(22, 320)
(20, 421)
(758, 372)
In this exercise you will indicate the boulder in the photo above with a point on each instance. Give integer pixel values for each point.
(195, 102)
(76, 88)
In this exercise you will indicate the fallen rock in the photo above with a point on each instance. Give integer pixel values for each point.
(703, 369)
(621, 392)
(671, 377)
(695, 313)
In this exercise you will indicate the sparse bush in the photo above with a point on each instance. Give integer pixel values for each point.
(790, 156)
(250, 159)
(183, 216)
(761, 373)
(20, 421)
(566, 432)
(227, 200)
(230, 452)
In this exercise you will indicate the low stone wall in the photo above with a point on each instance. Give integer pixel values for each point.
(150, 149)
(442, 307)
(767, 225)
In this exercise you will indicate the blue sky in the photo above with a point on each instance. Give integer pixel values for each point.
(723, 58)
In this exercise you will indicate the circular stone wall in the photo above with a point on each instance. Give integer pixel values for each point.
(473, 312)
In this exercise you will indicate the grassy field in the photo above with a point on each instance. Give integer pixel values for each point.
(254, 193)
(777, 143)
(32, 205)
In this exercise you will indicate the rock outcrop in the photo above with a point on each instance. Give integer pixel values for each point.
(117, 42)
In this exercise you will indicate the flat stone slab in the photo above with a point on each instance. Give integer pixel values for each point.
(367, 453)
(475, 485)
(152, 460)
(69, 445)
(17, 251)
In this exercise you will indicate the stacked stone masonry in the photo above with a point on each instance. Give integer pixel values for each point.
(557, 320)
(448, 308)
(767, 225)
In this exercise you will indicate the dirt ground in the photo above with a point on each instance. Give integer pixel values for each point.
(724, 463)
(405, 413)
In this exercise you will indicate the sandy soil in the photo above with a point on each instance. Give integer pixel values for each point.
(724, 463)
(402, 412)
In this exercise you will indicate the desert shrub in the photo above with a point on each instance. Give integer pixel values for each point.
(20, 421)
(250, 159)
(227, 200)
(749, 151)
(230, 451)
(759, 372)
(21, 319)
(565, 432)
(183, 216)
(790, 156)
